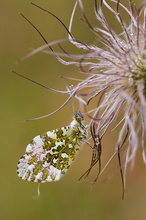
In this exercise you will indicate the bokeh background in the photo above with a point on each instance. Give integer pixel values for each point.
(21, 100)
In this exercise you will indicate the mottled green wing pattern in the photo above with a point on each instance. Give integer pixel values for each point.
(48, 156)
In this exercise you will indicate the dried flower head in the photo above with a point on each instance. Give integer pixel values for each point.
(115, 79)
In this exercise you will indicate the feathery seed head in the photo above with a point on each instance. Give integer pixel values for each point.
(115, 79)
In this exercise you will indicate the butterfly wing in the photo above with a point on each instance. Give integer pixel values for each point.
(48, 156)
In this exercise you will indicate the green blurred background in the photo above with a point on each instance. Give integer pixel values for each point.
(21, 100)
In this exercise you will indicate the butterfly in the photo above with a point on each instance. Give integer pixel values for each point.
(48, 156)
